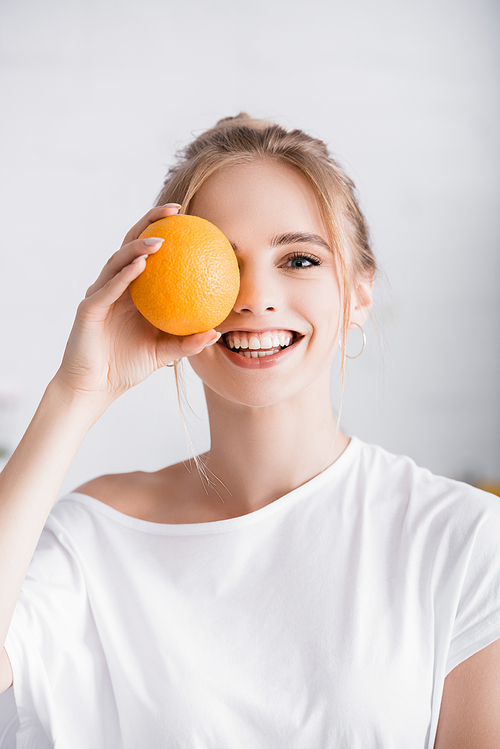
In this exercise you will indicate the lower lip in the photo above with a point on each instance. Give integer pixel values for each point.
(263, 362)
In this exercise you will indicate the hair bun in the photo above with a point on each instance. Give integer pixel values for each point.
(242, 119)
(232, 120)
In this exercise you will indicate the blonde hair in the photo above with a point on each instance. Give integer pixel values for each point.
(240, 139)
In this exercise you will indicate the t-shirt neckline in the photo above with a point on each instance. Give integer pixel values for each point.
(216, 526)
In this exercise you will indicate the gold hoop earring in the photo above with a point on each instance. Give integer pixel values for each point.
(364, 341)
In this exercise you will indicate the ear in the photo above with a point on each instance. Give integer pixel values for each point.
(361, 301)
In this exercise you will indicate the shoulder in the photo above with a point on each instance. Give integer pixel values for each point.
(140, 494)
(438, 503)
(392, 470)
(116, 489)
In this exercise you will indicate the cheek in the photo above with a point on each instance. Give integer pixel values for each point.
(200, 364)
(325, 315)
(213, 372)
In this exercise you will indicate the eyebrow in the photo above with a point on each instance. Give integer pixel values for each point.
(294, 237)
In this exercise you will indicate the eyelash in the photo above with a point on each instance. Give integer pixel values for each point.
(304, 256)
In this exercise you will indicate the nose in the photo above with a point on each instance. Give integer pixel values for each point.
(256, 295)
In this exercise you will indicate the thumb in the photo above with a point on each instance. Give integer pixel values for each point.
(186, 346)
(194, 344)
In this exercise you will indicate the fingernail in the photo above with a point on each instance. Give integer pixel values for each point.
(141, 257)
(210, 343)
(153, 240)
(172, 205)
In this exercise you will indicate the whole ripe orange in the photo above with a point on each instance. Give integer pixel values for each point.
(191, 283)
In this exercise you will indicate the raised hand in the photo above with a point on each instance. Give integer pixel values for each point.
(112, 347)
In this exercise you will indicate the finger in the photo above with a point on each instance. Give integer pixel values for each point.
(132, 247)
(101, 300)
(177, 347)
(193, 344)
(155, 214)
(126, 255)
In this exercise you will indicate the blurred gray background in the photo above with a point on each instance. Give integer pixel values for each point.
(97, 96)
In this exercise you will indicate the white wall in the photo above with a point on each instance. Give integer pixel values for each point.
(96, 96)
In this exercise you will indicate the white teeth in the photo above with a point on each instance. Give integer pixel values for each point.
(253, 342)
(257, 354)
(268, 341)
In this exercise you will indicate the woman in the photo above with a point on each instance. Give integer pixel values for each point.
(318, 592)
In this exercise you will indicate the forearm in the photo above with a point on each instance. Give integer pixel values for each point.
(31, 480)
(110, 349)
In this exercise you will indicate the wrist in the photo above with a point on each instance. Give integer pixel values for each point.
(89, 407)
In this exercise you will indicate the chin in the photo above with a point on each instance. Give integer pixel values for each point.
(252, 396)
(261, 389)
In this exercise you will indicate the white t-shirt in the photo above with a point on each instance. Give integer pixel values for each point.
(328, 618)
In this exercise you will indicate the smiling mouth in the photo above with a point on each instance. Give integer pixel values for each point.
(254, 345)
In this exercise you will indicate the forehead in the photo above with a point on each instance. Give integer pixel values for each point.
(258, 199)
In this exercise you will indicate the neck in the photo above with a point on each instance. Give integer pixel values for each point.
(261, 454)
